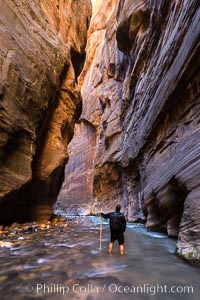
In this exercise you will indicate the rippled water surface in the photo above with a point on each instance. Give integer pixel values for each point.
(65, 263)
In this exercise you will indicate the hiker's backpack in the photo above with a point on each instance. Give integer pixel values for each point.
(116, 221)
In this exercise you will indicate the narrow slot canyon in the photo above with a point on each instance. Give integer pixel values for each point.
(100, 105)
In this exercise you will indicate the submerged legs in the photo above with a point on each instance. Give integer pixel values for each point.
(121, 248)
(110, 247)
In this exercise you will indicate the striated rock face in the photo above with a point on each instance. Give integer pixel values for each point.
(42, 51)
(77, 188)
(140, 89)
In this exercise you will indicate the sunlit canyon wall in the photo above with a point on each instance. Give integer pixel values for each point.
(42, 51)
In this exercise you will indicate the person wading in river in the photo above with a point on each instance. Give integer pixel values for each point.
(117, 228)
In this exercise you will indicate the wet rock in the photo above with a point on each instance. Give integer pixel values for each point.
(3, 278)
(137, 218)
(6, 228)
(5, 244)
(29, 227)
(32, 227)
(58, 219)
(15, 225)
(21, 238)
(42, 226)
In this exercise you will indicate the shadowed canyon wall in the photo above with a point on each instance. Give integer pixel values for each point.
(140, 89)
(42, 51)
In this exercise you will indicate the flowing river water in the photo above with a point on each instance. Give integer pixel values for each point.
(66, 263)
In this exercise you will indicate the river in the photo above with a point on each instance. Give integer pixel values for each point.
(66, 263)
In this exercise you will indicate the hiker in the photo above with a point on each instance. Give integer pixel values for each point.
(117, 228)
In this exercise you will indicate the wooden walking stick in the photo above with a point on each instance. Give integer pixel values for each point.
(101, 227)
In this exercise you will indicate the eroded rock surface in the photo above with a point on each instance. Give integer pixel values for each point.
(140, 88)
(77, 188)
(42, 52)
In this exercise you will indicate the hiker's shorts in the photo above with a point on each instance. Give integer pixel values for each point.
(117, 235)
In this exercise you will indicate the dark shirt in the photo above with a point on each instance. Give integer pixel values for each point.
(121, 218)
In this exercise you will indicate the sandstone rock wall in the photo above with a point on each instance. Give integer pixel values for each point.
(101, 108)
(42, 51)
(162, 123)
(140, 88)
(76, 195)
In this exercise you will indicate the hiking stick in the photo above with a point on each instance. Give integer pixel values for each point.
(101, 227)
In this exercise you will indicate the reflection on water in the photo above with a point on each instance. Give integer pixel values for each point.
(68, 264)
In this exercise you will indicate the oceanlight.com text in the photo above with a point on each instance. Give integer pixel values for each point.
(113, 288)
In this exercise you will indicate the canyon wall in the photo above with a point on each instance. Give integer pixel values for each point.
(42, 51)
(76, 192)
(140, 89)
